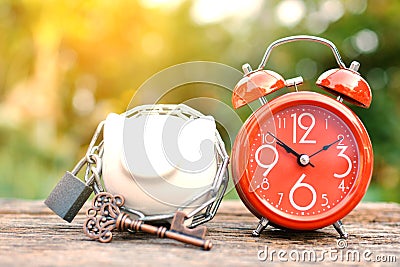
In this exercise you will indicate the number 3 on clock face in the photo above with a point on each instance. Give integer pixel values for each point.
(303, 165)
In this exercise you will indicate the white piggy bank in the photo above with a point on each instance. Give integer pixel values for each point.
(160, 162)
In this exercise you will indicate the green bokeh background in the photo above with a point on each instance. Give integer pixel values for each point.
(64, 65)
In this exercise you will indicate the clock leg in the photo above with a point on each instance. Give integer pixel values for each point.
(340, 229)
(260, 227)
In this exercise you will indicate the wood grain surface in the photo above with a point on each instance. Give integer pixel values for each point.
(31, 235)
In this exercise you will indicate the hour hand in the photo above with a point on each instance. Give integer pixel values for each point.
(286, 147)
(290, 150)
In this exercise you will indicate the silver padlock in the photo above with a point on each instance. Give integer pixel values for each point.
(69, 195)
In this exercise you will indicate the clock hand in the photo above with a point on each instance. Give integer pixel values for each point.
(290, 150)
(286, 147)
(326, 147)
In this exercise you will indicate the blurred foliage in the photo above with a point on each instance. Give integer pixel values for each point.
(64, 65)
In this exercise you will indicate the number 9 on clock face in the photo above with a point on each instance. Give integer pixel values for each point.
(304, 164)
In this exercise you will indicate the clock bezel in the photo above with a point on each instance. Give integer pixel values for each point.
(240, 156)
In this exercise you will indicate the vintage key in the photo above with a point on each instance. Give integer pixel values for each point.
(69, 195)
(105, 216)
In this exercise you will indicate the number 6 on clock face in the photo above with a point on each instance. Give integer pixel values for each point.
(310, 171)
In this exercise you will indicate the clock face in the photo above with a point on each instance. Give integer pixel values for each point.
(329, 166)
(304, 162)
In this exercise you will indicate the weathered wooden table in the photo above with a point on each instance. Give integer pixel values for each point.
(31, 235)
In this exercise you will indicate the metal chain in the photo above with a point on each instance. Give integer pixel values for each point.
(94, 166)
(94, 161)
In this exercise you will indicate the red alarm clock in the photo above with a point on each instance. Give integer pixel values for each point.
(304, 160)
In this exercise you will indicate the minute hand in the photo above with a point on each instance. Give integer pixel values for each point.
(326, 147)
